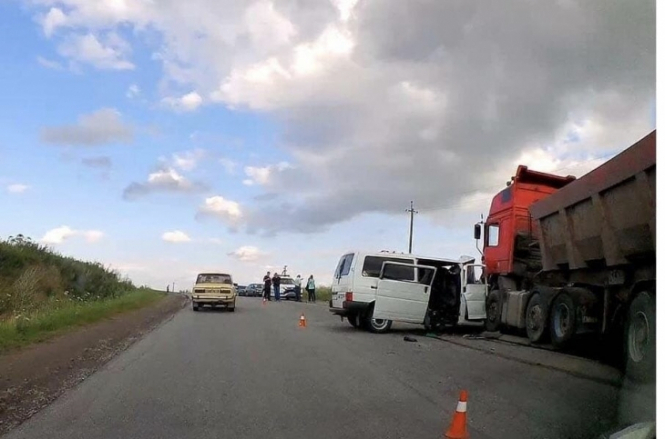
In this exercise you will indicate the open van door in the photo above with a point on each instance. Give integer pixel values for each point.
(474, 293)
(403, 292)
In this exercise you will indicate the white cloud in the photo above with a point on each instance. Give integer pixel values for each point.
(188, 160)
(97, 128)
(442, 109)
(188, 102)
(49, 64)
(262, 175)
(61, 234)
(221, 208)
(52, 20)
(175, 236)
(108, 54)
(17, 188)
(228, 165)
(133, 91)
(248, 253)
(162, 180)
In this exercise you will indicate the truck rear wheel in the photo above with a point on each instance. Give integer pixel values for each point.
(640, 338)
(493, 310)
(563, 320)
(536, 318)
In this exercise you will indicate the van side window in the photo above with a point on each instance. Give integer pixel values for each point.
(398, 272)
(372, 265)
(493, 235)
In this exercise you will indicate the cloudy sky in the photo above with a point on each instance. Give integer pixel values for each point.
(164, 137)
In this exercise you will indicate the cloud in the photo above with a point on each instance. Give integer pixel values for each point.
(163, 180)
(107, 54)
(175, 236)
(49, 64)
(101, 162)
(228, 165)
(262, 175)
(189, 102)
(222, 209)
(52, 20)
(247, 253)
(17, 188)
(439, 111)
(100, 127)
(63, 233)
(188, 160)
(133, 91)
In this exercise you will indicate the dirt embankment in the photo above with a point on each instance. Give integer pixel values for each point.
(33, 377)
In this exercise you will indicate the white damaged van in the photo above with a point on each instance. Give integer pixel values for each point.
(374, 289)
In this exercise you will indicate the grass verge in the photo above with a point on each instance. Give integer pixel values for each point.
(60, 316)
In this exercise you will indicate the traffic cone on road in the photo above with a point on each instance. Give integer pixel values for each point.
(457, 428)
(303, 321)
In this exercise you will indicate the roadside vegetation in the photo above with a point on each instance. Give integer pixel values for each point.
(43, 292)
(323, 293)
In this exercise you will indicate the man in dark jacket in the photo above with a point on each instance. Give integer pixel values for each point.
(276, 281)
(266, 286)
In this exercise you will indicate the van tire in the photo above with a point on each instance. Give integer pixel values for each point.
(380, 326)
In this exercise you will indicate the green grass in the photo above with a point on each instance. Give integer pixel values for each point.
(323, 293)
(62, 315)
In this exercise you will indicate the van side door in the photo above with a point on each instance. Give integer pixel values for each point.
(474, 292)
(403, 292)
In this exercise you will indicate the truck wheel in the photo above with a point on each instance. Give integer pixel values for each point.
(353, 320)
(195, 306)
(536, 318)
(563, 320)
(493, 309)
(640, 338)
(377, 326)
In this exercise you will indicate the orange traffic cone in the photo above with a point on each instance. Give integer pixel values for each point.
(303, 321)
(457, 428)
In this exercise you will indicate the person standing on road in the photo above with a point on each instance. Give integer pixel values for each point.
(298, 283)
(266, 286)
(276, 281)
(311, 289)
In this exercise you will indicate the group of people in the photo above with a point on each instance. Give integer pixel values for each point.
(275, 283)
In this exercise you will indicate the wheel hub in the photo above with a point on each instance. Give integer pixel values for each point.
(562, 320)
(638, 337)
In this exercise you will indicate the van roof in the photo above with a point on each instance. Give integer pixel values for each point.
(408, 255)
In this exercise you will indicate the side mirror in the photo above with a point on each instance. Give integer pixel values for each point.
(476, 231)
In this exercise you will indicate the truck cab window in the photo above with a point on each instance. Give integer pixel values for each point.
(493, 235)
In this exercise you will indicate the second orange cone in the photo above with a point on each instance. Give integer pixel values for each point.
(303, 321)
(457, 428)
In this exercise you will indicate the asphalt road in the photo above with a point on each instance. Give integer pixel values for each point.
(256, 374)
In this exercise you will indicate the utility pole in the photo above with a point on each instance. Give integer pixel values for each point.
(411, 211)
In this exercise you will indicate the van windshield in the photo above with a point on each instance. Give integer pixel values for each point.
(372, 264)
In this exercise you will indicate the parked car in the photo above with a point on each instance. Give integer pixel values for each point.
(242, 290)
(254, 290)
(287, 288)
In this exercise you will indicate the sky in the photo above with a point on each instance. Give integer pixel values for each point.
(165, 138)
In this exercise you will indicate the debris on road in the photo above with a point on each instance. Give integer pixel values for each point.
(411, 339)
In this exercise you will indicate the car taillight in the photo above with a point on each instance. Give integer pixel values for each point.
(349, 296)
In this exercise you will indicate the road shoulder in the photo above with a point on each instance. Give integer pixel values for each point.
(33, 377)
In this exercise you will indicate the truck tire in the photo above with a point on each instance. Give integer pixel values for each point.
(536, 318)
(493, 310)
(353, 320)
(640, 338)
(377, 326)
(563, 320)
(195, 306)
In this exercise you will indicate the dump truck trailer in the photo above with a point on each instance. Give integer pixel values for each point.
(566, 256)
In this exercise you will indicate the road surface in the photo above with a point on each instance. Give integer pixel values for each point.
(256, 374)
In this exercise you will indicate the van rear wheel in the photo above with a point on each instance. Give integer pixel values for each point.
(377, 326)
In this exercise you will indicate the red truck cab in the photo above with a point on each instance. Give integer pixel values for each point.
(509, 222)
